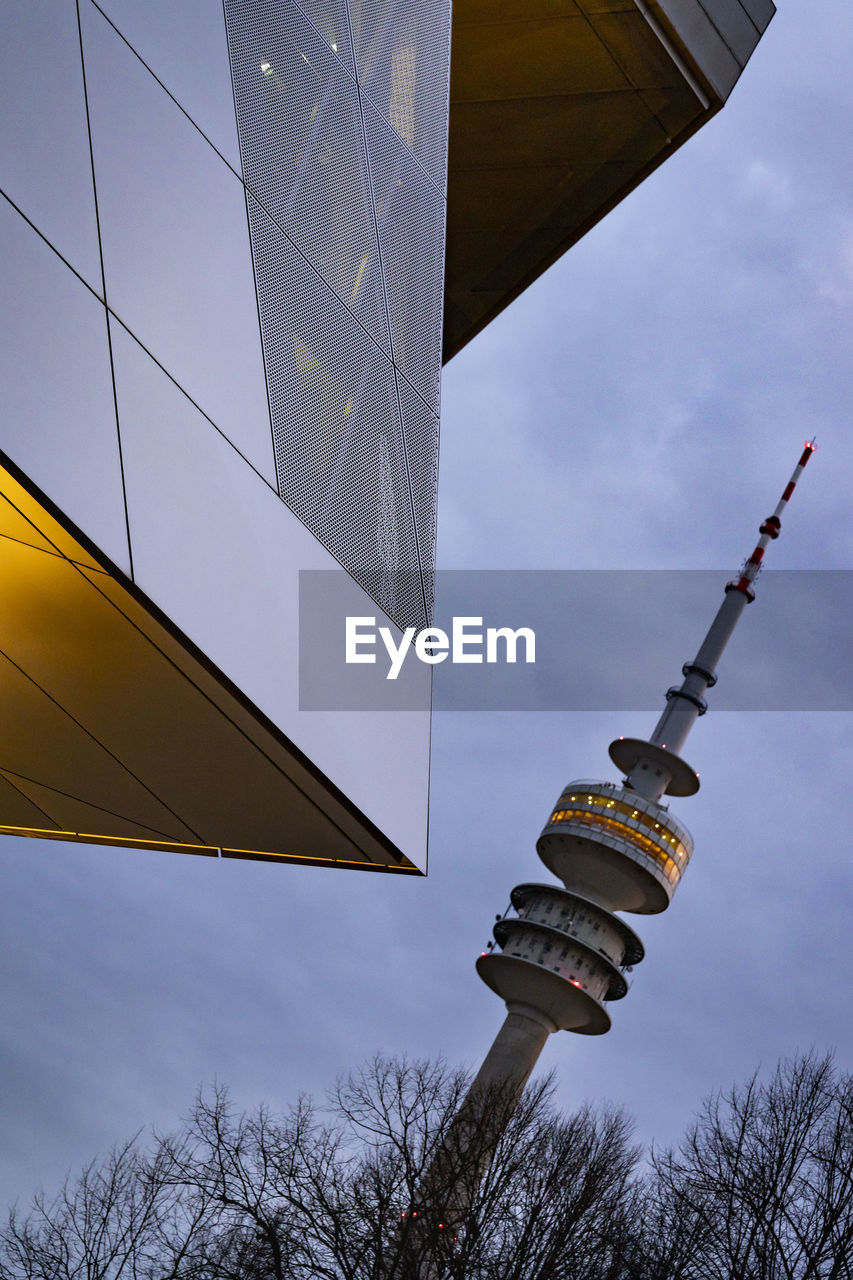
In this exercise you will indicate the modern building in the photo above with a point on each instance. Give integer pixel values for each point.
(225, 303)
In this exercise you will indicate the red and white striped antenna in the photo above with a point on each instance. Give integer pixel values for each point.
(655, 767)
(770, 528)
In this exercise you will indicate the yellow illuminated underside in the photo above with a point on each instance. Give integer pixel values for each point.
(206, 851)
(113, 731)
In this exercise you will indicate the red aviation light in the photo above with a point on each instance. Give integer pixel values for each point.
(809, 447)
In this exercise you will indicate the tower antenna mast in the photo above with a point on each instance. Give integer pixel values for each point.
(654, 768)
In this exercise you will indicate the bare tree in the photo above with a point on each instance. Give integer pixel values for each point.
(334, 1193)
(762, 1186)
(546, 1198)
(124, 1217)
(760, 1189)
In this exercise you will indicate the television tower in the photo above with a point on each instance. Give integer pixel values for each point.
(564, 953)
(616, 847)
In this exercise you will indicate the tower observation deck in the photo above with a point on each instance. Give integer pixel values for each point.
(560, 954)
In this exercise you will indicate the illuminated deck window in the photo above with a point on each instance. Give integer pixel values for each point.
(637, 814)
(671, 868)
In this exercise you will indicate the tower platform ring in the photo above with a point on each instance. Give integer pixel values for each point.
(503, 929)
(634, 949)
(570, 1008)
(627, 752)
(588, 861)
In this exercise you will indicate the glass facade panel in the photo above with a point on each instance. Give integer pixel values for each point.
(175, 239)
(184, 45)
(59, 422)
(44, 147)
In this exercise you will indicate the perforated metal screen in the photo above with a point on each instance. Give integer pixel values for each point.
(402, 52)
(410, 216)
(342, 117)
(420, 433)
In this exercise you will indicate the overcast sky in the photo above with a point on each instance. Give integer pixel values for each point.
(641, 406)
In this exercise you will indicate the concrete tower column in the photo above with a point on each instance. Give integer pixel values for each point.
(515, 1049)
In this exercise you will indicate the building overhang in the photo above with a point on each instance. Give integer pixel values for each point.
(559, 109)
(117, 730)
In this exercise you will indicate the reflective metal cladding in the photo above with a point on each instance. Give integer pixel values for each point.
(222, 233)
(222, 368)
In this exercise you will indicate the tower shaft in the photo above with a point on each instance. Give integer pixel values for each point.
(515, 1050)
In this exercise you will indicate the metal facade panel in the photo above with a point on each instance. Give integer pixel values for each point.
(218, 551)
(59, 423)
(735, 25)
(175, 40)
(115, 731)
(541, 56)
(420, 432)
(634, 45)
(560, 108)
(331, 19)
(56, 694)
(709, 51)
(176, 243)
(18, 811)
(303, 151)
(402, 50)
(761, 11)
(410, 215)
(45, 168)
(336, 424)
(348, 243)
(76, 774)
(154, 694)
